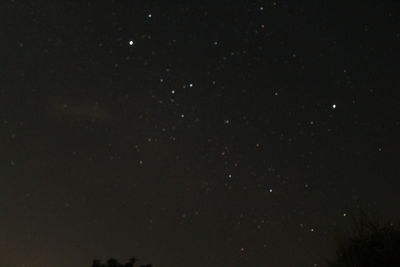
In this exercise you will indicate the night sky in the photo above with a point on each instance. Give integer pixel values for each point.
(194, 133)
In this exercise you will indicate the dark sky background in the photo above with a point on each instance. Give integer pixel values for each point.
(194, 133)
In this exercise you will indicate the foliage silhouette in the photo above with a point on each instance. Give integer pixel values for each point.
(114, 263)
(371, 244)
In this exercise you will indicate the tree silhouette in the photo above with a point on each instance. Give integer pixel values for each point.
(114, 263)
(131, 262)
(371, 244)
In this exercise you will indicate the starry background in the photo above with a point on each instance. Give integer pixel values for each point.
(208, 133)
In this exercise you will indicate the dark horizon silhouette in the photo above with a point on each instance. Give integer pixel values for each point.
(114, 263)
(370, 243)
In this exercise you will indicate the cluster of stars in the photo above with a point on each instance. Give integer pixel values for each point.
(253, 131)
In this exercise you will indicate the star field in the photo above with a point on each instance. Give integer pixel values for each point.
(218, 133)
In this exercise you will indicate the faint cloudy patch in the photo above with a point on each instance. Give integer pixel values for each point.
(82, 111)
